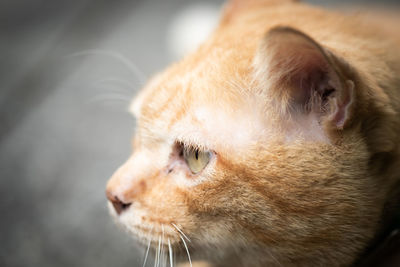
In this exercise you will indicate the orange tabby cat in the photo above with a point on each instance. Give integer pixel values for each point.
(274, 144)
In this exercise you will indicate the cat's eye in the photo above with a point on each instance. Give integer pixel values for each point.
(196, 159)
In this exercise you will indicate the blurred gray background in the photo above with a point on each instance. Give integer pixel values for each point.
(67, 72)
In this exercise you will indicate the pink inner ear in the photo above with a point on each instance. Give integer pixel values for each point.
(302, 68)
(342, 106)
(309, 82)
(302, 77)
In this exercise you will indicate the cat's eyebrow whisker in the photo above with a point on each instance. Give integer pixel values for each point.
(119, 103)
(170, 254)
(124, 84)
(117, 56)
(108, 97)
(187, 250)
(121, 86)
(180, 231)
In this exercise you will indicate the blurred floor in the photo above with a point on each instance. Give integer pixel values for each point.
(64, 91)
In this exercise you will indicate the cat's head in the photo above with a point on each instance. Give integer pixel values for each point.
(251, 146)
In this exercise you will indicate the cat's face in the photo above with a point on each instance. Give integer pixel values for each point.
(223, 158)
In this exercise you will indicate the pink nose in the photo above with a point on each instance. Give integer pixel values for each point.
(118, 205)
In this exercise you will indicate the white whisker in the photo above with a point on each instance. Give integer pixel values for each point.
(157, 260)
(112, 54)
(187, 250)
(170, 254)
(114, 85)
(110, 97)
(127, 85)
(147, 252)
(180, 231)
(162, 248)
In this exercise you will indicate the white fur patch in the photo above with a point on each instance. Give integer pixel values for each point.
(214, 128)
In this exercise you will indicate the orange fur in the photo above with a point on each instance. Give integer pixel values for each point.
(285, 187)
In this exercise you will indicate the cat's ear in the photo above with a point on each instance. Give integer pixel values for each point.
(301, 77)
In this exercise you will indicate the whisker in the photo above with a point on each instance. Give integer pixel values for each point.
(127, 85)
(115, 85)
(187, 250)
(102, 90)
(180, 231)
(120, 104)
(122, 93)
(170, 253)
(159, 253)
(157, 260)
(274, 258)
(147, 252)
(117, 56)
(109, 97)
(162, 243)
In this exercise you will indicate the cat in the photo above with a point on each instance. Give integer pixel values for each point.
(274, 144)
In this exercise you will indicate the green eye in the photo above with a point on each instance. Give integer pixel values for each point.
(196, 159)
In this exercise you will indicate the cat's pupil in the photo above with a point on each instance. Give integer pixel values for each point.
(196, 154)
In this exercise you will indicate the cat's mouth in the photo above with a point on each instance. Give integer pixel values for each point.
(151, 232)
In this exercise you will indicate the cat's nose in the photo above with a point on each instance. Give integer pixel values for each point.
(118, 205)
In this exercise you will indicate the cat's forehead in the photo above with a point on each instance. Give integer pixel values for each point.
(200, 110)
(219, 128)
(213, 74)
